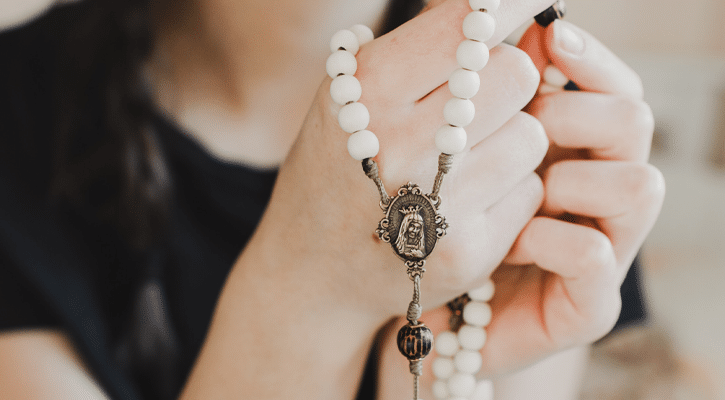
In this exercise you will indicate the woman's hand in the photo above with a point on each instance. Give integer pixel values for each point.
(559, 285)
(324, 210)
(314, 283)
(602, 199)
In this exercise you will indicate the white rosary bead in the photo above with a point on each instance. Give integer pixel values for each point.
(479, 26)
(353, 117)
(477, 314)
(443, 367)
(451, 139)
(459, 112)
(363, 144)
(464, 84)
(472, 55)
(484, 390)
(554, 77)
(363, 33)
(488, 5)
(471, 337)
(484, 293)
(440, 389)
(468, 361)
(345, 39)
(345, 89)
(446, 343)
(461, 384)
(341, 62)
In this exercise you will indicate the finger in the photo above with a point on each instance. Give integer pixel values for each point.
(508, 83)
(582, 297)
(502, 160)
(513, 212)
(561, 292)
(510, 214)
(590, 64)
(610, 127)
(419, 56)
(532, 43)
(624, 197)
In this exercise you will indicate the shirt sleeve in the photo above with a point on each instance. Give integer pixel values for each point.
(21, 306)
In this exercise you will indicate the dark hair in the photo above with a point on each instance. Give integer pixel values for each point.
(114, 170)
(113, 167)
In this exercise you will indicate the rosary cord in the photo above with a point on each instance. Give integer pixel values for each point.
(444, 166)
(414, 308)
(370, 167)
(416, 289)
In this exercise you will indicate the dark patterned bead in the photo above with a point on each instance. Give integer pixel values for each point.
(551, 14)
(415, 341)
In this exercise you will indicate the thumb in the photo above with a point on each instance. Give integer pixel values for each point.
(582, 58)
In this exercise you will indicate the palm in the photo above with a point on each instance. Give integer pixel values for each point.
(532, 313)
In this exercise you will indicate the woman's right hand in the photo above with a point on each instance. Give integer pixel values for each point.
(320, 222)
(314, 283)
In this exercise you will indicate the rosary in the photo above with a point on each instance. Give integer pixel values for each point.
(412, 224)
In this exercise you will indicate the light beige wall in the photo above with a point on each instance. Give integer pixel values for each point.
(667, 26)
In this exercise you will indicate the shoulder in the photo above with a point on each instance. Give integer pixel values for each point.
(26, 92)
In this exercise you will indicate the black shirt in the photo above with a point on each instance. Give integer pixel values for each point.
(138, 319)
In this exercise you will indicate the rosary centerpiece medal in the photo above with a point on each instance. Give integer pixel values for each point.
(412, 226)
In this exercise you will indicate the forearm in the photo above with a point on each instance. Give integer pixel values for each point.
(280, 336)
(557, 377)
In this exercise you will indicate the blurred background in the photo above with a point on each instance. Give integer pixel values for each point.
(678, 48)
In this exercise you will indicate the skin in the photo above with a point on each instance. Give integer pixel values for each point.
(600, 204)
(553, 203)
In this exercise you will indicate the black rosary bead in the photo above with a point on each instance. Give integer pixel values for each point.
(551, 14)
(415, 341)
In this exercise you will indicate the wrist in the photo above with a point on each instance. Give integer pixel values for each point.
(280, 333)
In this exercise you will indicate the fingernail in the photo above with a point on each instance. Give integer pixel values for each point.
(568, 39)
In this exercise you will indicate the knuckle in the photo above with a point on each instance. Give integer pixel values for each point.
(639, 117)
(522, 67)
(646, 184)
(531, 142)
(596, 256)
(536, 139)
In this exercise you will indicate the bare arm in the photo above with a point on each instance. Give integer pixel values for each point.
(14, 13)
(42, 364)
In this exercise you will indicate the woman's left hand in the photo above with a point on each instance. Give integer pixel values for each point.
(602, 199)
(559, 285)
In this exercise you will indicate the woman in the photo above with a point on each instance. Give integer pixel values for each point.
(130, 197)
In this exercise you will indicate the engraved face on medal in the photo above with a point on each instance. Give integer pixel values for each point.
(412, 225)
(410, 241)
